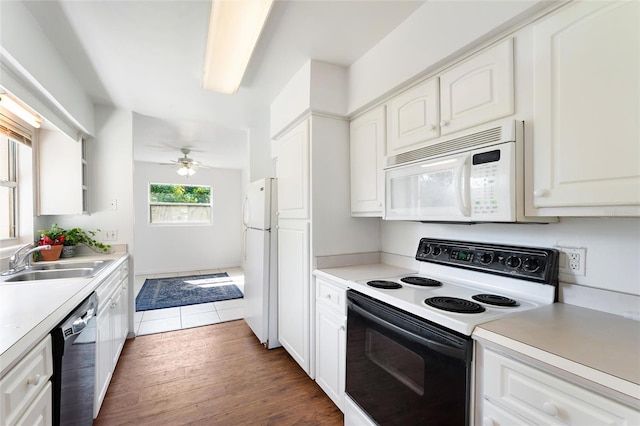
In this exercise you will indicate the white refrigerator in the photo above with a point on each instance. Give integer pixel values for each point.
(261, 262)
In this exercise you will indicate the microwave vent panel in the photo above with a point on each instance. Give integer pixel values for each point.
(464, 143)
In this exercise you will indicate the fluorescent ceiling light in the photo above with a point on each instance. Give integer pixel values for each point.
(20, 110)
(234, 28)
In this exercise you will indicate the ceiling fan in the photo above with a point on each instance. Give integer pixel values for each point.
(186, 166)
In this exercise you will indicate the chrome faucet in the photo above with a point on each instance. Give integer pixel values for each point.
(20, 261)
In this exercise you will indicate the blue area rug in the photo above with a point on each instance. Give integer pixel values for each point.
(160, 293)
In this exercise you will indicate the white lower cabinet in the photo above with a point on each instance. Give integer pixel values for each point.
(294, 290)
(331, 340)
(25, 391)
(513, 391)
(111, 329)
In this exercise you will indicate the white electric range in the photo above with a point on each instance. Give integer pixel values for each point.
(483, 281)
(409, 346)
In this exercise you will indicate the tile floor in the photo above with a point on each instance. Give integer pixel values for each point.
(160, 320)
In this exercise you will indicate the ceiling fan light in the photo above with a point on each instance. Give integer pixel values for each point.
(186, 171)
(234, 29)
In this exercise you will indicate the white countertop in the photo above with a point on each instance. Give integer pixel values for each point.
(29, 310)
(597, 346)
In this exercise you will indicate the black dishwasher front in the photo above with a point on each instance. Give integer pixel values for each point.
(74, 360)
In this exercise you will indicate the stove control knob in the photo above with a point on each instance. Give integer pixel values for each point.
(486, 258)
(426, 250)
(531, 264)
(436, 251)
(513, 261)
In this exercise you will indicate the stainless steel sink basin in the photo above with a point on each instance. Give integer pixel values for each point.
(58, 270)
(51, 274)
(93, 264)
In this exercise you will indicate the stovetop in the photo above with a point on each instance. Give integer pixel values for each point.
(526, 275)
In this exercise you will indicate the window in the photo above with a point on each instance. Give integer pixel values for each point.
(16, 182)
(8, 188)
(179, 204)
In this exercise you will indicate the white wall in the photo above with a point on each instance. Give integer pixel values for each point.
(171, 248)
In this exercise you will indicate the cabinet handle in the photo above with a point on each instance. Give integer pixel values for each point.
(444, 123)
(550, 409)
(35, 381)
(488, 421)
(113, 305)
(432, 127)
(540, 193)
(342, 328)
(328, 296)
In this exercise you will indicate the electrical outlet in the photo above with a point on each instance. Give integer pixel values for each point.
(573, 260)
(111, 235)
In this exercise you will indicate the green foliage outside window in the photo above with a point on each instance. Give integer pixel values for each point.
(180, 194)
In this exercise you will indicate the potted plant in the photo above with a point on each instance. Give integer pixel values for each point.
(55, 238)
(75, 236)
(67, 239)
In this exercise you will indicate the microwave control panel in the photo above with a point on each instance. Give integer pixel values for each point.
(492, 184)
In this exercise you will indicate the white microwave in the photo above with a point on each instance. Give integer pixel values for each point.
(476, 177)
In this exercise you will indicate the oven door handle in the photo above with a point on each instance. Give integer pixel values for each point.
(431, 344)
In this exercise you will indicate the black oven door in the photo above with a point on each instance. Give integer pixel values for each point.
(404, 370)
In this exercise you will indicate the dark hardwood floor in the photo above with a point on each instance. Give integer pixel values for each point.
(212, 375)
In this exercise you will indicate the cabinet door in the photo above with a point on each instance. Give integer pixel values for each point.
(104, 361)
(294, 290)
(413, 118)
(293, 173)
(478, 90)
(60, 193)
(331, 353)
(119, 321)
(40, 412)
(587, 97)
(367, 141)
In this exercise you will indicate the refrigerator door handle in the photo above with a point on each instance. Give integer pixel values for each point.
(244, 245)
(245, 211)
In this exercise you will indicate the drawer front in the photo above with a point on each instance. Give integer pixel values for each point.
(492, 415)
(547, 399)
(25, 381)
(331, 296)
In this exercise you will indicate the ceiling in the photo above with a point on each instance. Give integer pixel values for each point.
(148, 56)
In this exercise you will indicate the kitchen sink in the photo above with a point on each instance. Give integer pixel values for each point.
(55, 271)
(94, 264)
(51, 274)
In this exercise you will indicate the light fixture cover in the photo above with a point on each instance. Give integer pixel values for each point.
(186, 171)
(234, 29)
(20, 110)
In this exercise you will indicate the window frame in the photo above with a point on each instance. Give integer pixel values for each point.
(13, 184)
(156, 203)
(24, 137)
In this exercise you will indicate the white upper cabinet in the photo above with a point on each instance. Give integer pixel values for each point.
(293, 173)
(367, 141)
(413, 117)
(62, 174)
(478, 90)
(475, 91)
(586, 100)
